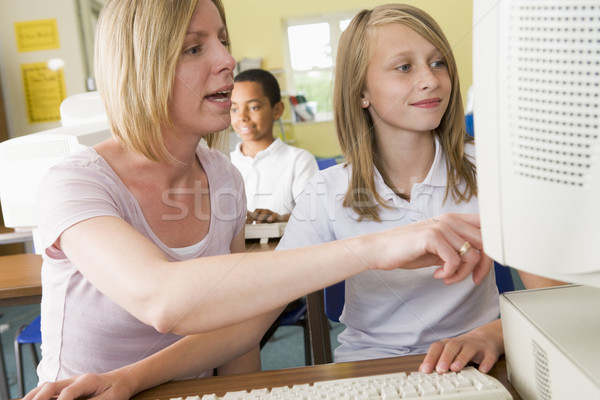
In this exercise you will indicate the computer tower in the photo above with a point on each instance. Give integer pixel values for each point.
(552, 342)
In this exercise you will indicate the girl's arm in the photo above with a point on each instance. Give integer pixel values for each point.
(183, 297)
(531, 281)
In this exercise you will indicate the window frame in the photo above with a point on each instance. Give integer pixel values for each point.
(333, 20)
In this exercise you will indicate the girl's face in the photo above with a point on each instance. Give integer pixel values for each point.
(204, 75)
(407, 82)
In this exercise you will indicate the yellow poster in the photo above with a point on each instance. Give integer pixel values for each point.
(44, 91)
(37, 35)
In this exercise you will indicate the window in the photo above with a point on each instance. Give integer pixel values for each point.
(312, 44)
(88, 12)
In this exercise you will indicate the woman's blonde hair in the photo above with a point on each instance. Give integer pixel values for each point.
(354, 125)
(138, 44)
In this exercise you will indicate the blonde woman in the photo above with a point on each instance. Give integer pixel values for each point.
(400, 124)
(137, 231)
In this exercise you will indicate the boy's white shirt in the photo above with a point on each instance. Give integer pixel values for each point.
(276, 176)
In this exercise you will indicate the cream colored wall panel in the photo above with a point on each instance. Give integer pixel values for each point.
(70, 50)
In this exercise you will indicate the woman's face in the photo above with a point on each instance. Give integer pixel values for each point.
(407, 82)
(204, 75)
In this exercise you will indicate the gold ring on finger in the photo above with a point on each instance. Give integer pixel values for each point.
(464, 248)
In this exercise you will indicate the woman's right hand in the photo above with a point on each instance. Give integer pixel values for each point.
(437, 241)
(89, 386)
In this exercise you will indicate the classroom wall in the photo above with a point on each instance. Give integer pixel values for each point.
(11, 59)
(257, 30)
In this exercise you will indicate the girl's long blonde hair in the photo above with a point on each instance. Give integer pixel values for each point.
(355, 128)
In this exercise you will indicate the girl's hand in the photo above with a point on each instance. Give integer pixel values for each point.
(482, 346)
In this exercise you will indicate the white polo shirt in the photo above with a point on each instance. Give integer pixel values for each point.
(399, 312)
(275, 176)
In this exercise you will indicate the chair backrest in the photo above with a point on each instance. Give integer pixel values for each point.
(504, 280)
(324, 163)
(333, 300)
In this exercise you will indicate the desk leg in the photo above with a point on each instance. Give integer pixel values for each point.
(318, 325)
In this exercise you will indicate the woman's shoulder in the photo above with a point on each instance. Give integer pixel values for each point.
(85, 171)
(83, 161)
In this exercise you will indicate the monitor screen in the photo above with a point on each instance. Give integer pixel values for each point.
(536, 79)
(25, 160)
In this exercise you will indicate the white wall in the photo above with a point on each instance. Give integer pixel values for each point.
(70, 51)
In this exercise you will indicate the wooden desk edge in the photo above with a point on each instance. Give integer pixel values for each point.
(19, 299)
(21, 279)
(290, 376)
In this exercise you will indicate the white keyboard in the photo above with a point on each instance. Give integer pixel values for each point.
(467, 384)
(264, 232)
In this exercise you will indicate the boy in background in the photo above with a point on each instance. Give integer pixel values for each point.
(274, 173)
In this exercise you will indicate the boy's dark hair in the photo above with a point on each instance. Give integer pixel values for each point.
(268, 82)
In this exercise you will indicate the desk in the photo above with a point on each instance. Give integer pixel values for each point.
(10, 236)
(254, 245)
(20, 283)
(290, 376)
(20, 279)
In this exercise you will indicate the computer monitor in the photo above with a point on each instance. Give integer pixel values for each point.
(536, 79)
(25, 160)
(82, 108)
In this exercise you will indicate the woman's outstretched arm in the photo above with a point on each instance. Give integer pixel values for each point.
(183, 297)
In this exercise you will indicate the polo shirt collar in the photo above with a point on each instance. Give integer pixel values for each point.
(436, 177)
(273, 147)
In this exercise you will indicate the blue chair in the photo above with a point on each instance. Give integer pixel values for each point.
(326, 162)
(27, 335)
(469, 124)
(504, 279)
(333, 300)
(293, 315)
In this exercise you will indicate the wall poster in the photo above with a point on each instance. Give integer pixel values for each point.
(44, 90)
(37, 35)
